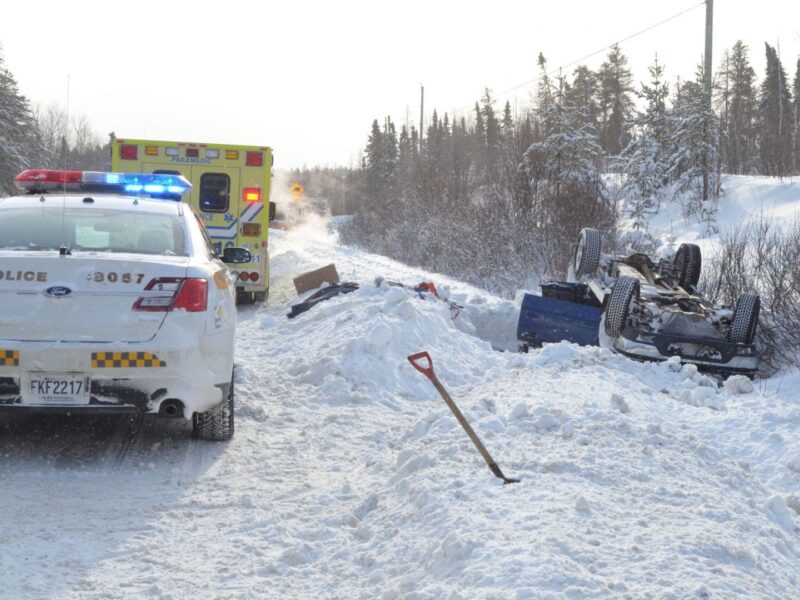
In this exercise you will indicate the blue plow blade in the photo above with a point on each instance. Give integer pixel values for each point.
(565, 312)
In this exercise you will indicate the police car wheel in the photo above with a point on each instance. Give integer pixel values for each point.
(216, 424)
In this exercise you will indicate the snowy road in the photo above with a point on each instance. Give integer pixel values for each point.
(348, 478)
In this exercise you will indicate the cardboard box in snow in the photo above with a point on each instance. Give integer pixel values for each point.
(315, 279)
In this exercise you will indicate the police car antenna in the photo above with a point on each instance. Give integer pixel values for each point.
(64, 249)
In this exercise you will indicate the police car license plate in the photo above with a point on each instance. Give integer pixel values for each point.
(55, 388)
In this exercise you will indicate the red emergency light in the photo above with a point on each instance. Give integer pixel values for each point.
(251, 194)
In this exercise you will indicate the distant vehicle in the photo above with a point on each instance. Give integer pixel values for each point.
(231, 187)
(114, 300)
(644, 309)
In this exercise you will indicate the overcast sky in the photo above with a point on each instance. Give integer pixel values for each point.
(308, 77)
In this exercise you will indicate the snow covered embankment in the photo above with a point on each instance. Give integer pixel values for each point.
(638, 478)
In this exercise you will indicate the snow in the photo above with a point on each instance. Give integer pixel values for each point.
(348, 477)
(745, 198)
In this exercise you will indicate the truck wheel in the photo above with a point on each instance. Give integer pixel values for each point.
(587, 252)
(688, 262)
(625, 290)
(216, 424)
(243, 297)
(745, 319)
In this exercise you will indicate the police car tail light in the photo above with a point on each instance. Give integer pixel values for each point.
(251, 194)
(161, 294)
(168, 293)
(193, 295)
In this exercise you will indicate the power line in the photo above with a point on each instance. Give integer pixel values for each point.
(601, 50)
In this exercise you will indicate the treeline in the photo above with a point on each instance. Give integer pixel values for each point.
(32, 137)
(498, 196)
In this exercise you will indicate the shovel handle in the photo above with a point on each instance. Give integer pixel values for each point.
(415, 359)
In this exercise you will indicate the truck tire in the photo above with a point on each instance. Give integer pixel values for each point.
(215, 425)
(587, 252)
(688, 262)
(745, 319)
(625, 290)
(244, 298)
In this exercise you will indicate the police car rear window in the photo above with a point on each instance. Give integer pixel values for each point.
(215, 192)
(92, 230)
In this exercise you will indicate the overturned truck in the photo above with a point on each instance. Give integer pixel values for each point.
(643, 309)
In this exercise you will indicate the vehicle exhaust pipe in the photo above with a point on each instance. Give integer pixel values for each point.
(171, 408)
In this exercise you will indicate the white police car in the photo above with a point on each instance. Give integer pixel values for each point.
(112, 299)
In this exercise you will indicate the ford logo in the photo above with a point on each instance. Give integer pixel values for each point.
(58, 291)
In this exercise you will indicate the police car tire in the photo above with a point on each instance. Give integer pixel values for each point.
(587, 252)
(745, 319)
(688, 262)
(619, 305)
(216, 425)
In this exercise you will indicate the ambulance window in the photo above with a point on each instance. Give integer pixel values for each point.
(215, 192)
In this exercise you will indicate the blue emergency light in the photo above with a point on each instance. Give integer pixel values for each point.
(155, 185)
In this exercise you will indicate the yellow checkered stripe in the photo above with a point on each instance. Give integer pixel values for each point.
(9, 358)
(125, 360)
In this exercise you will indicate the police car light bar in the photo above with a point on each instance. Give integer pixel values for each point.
(155, 185)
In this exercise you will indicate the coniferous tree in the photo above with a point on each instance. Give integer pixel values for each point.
(20, 145)
(774, 119)
(565, 173)
(616, 102)
(644, 161)
(736, 102)
(796, 119)
(583, 95)
(694, 149)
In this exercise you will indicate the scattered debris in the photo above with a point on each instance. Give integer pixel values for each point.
(314, 279)
(325, 293)
(423, 288)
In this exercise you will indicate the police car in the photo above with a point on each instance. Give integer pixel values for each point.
(114, 300)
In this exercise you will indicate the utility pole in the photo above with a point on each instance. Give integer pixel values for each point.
(709, 31)
(421, 112)
(707, 81)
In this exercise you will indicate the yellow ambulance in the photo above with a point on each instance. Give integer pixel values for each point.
(230, 195)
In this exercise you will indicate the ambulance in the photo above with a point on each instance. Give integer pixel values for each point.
(230, 194)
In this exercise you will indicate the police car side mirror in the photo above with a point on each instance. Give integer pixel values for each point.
(272, 211)
(236, 256)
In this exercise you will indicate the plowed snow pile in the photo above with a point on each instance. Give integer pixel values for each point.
(349, 478)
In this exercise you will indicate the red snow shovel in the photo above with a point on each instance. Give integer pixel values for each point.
(428, 372)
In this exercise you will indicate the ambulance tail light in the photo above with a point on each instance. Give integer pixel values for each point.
(251, 194)
(244, 276)
(168, 293)
(129, 152)
(254, 159)
(254, 276)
